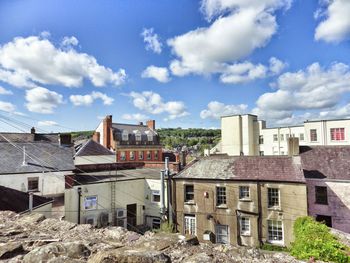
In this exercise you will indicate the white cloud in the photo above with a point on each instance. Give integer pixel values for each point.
(135, 117)
(42, 100)
(217, 109)
(152, 40)
(241, 26)
(4, 91)
(88, 99)
(7, 106)
(159, 73)
(243, 72)
(336, 26)
(314, 88)
(153, 103)
(47, 123)
(70, 41)
(276, 66)
(27, 61)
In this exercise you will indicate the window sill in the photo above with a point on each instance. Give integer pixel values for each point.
(245, 200)
(276, 243)
(245, 235)
(221, 206)
(190, 203)
(275, 208)
(320, 204)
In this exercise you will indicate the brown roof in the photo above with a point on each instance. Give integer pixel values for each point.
(91, 148)
(332, 162)
(252, 168)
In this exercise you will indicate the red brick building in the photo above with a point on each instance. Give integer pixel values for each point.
(132, 143)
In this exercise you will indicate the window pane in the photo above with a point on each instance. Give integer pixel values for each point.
(273, 197)
(189, 193)
(275, 232)
(221, 232)
(220, 196)
(313, 135)
(321, 195)
(243, 192)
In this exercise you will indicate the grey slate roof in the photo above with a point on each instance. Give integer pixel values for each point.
(50, 155)
(251, 168)
(331, 162)
(91, 147)
(17, 201)
(118, 129)
(29, 137)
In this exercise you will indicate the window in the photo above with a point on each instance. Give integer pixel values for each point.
(287, 136)
(244, 225)
(337, 134)
(90, 202)
(221, 232)
(189, 193)
(313, 135)
(273, 197)
(220, 196)
(261, 139)
(261, 153)
(155, 155)
(155, 196)
(140, 155)
(125, 135)
(282, 137)
(132, 155)
(33, 184)
(275, 137)
(327, 220)
(275, 232)
(149, 137)
(122, 156)
(321, 195)
(148, 155)
(155, 223)
(244, 192)
(190, 225)
(282, 152)
(137, 136)
(301, 136)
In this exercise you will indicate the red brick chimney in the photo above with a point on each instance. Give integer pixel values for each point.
(107, 125)
(96, 137)
(151, 124)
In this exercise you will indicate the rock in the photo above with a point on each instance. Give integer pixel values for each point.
(29, 219)
(10, 249)
(199, 258)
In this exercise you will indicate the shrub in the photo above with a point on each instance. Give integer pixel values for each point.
(314, 240)
(271, 247)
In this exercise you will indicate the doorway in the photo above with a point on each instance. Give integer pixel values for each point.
(131, 213)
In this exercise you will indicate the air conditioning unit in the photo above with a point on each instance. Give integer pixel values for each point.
(121, 217)
(121, 212)
(103, 219)
(92, 220)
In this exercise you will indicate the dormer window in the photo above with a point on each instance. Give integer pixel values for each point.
(125, 135)
(149, 136)
(137, 135)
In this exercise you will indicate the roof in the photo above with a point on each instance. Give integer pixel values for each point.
(91, 148)
(320, 120)
(331, 162)
(29, 137)
(17, 201)
(131, 129)
(245, 168)
(40, 156)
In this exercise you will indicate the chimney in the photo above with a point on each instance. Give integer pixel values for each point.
(151, 124)
(140, 123)
(64, 139)
(32, 130)
(96, 137)
(107, 125)
(183, 158)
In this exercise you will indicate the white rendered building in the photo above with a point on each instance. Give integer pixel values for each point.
(246, 135)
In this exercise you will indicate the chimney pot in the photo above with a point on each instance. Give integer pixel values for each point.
(140, 123)
(32, 130)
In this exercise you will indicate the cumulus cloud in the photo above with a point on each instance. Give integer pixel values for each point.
(88, 99)
(7, 107)
(26, 62)
(217, 109)
(135, 117)
(315, 88)
(153, 103)
(47, 123)
(70, 41)
(4, 91)
(336, 25)
(159, 73)
(42, 100)
(152, 40)
(240, 26)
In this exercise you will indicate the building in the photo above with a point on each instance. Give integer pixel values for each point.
(327, 174)
(21, 203)
(246, 135)
(127, 198)
(241, 200)
(131, 143)
(38, 163)
(91, 152)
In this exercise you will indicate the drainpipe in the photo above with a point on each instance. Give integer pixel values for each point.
(162, 195)
(167, 171)
(79, 198)
(259, 213)
(30, 202)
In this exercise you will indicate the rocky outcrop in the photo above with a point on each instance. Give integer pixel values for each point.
(32, 238)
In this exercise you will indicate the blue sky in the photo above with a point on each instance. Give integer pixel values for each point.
(66, 64)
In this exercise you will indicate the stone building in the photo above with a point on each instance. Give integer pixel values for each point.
(241, 200)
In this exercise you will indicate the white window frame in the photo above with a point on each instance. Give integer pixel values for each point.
(154, 193)
(245, 219)
(190, 225)
(150, 137)
(137, 136)
(282, 137)
(301, 137)
(268, 197)
(274, 241)
(90, 204)
(33, 179)
(132, 155)
(311, 136)
(241, 190)
(333, 136)
(125, 135)
(224, 197)
(149, 155)
(141, 155)
(155, 155)
(123, 156)
(219, 238)
(191, 193)
(275, 137)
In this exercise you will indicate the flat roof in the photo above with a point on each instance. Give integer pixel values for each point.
(232, 115)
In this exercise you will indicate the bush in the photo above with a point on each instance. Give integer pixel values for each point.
(271, 247)
(314, 240)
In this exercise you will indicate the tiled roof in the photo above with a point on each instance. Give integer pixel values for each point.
(17, 201)
(252, 168)
(332, 162)
(118, 129)
(40, 156)
(91, 148)
(29, 137)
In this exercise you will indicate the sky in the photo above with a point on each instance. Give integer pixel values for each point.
(64, 64)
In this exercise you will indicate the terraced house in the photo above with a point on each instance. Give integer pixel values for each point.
(241, 200)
